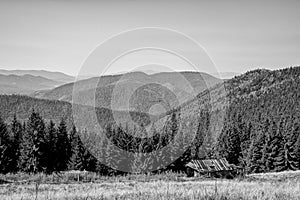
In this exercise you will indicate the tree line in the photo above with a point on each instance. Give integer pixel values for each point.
(36, 146)
(269, 143)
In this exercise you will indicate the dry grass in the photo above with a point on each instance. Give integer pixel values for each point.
(147, 187)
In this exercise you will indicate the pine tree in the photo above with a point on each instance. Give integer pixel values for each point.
(283, 146)
(5, 148)
(52, 153)
(233, 151)
(172, 134)
(89, 161)
(245, 144)
(268, 159)
(256, 153)
(201, 134)
(289, 158)
(291, 150)
(278, 148)
(229, 143)
(33, 148)
(16, 130)
(297, 147)
(76, 160)
(63, 147)
(138, 161)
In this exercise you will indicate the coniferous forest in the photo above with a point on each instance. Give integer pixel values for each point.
(261, 131)
(35, 146)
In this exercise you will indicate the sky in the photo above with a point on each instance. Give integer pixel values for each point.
(60, 35)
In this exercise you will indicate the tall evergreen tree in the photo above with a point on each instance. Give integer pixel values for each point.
(76, 160)
(16, 130)
(268, 159)
(52, 153)
(33, 148)
(245, 144)
(297, 147)
(5, 148)
(290, 160)
(278, 148)
(63, 147)
(233, 151)
(202, 133)
(256, 153)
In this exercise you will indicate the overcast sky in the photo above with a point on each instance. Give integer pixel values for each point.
(58, 35)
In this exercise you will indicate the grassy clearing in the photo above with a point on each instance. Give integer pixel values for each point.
(276, 176)
(158, 187)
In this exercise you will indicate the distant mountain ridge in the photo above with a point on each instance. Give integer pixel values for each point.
(56, 76)
(121, 86)
(25, 84)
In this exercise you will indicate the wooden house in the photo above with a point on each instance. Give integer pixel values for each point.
(213, 168)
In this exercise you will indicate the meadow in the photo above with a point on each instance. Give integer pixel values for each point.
(277, 186)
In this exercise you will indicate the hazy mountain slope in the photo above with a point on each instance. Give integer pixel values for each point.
(117, 86)
(57, 76)
(64, 92)
(196, 79)
(25, 84)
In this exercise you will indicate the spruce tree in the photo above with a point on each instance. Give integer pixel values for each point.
(202, 133)
(52, 153)
(268, 159)
(63, 147)
(33, 148)
(5, 148)
(233, 151)
(278, 148)
(76, 160)
(16, 130)
(173, 143)
(245, 144)
(297, 148)
(294, 146)
(289, 158)
(256, 152)
(229, 143)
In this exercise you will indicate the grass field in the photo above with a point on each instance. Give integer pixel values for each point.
(281, 186)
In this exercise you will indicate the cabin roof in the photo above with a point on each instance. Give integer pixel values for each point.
(210, 165)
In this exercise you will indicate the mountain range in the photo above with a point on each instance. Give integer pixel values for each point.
(25, 84)
(56, 76)
(140, 88)
(258, 92)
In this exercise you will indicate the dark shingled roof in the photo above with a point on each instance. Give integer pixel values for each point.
(211, 165)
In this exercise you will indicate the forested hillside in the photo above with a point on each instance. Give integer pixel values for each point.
(262, 125)
(54, 110)
(252, 120)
